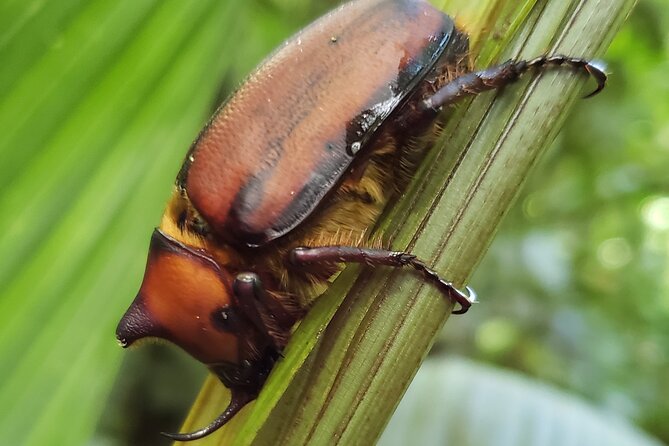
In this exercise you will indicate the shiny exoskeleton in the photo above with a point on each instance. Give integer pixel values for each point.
(283, 185)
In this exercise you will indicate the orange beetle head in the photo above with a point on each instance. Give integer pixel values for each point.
(185, 298)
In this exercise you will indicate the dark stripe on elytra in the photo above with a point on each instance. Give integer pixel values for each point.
(182, 176)
(306, 200)
(250, 195)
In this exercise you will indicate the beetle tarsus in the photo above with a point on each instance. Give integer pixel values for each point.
(374, 257)
(463, 298)
(589, 67)
(492, 78)
(238, 400)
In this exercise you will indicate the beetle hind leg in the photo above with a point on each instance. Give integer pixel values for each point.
(380, 257)
(506, 73)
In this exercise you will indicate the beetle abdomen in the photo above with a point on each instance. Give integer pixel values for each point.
(271, 154)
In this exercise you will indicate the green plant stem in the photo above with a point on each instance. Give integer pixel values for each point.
(352, 358)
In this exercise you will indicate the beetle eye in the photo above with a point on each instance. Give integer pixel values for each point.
(226, 319)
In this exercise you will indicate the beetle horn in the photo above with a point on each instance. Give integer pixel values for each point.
(238, 400)
(136, 324)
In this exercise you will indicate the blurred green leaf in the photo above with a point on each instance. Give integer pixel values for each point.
(99, 100)
(579, 270)
(457, 402)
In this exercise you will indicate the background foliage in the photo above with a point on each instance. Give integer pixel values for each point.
(100, 98)
(579, 277)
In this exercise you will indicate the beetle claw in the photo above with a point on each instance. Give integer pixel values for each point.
(465, 298)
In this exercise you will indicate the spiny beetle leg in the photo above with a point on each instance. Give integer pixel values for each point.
(238, 399)
(508, 72)
(377, 257)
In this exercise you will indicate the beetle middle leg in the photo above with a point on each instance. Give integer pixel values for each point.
(508, 72)
(348, 254)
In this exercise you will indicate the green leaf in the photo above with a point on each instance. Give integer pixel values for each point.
(98, 101)
(458, 402)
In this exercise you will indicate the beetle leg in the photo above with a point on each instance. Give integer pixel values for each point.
(506, 73)
(265, 313)
(348, 254)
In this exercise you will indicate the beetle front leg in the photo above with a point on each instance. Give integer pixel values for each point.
(510, 71)
(266, 314)
(349, 254)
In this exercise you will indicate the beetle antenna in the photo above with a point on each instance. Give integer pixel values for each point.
(237, 401)
(506, 73)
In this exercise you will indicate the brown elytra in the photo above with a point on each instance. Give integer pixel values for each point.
(291, 131)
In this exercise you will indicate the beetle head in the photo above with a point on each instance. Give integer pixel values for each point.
(185, 298)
